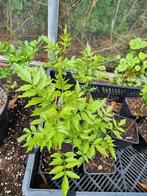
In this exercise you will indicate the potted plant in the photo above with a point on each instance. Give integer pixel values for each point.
(68, 118)
(121, 111)
(138, 109)
(4, 120)
(130, 135)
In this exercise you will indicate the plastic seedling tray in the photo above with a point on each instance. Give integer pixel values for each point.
(4, 120)
(124, 143)
(114, 91)
(103, 90)
(131, 170)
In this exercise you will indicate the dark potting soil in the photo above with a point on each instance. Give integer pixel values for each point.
(44, 167)
(100, 164)
(130, 133)
(13, 157)
(116, 106)
(137, 106)
(46, 158)
(3, 99)
(143, 130)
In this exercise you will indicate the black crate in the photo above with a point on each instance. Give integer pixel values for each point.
(130, 170)
(103, 90)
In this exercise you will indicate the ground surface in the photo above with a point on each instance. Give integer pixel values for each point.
(13, 158)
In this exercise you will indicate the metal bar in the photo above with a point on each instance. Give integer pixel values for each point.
(53, 14)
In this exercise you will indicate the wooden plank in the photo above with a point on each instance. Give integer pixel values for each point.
(5, 63)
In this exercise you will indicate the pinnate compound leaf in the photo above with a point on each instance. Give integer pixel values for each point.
(23, 73)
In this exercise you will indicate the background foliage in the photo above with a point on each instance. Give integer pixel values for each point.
(22, 19)
(106, 24)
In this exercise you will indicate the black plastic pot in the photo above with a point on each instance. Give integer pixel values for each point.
(139, 125)
(142, 141)
(130, 170)
(139, 117)
(124, 143)
(98, 173)
(4, 121)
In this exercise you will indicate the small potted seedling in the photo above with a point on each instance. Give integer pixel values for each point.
(138, 105)
(68, 118)
(4, 120)
(130, 135)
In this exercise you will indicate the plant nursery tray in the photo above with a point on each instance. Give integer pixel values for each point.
(111, 90)
(130, 172)
(103, 90)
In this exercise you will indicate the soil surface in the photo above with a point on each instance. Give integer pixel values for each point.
(116, 106)
(130, 129)
(3, 99)
(143, 130)
(100, 164)
(137, 106)
(46, 159)
(13, 157)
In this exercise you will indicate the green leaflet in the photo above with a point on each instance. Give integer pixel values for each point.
(57, 169)
(25, 87)
(72, 174)
(65, 186)
(23, 73)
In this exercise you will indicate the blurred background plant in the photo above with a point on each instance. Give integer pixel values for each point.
(106, 24)
(23, 19)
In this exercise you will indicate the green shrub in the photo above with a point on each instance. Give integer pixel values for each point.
(132, 69)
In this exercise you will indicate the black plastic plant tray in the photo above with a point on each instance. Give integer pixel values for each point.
(103, 90)
(111, 91)
(130, 170)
